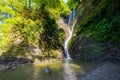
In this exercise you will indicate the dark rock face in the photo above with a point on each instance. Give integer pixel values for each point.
(12, 63)
(85, 49)
(88, 49)
(111, 51)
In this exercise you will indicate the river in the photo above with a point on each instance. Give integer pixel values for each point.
(60, 70)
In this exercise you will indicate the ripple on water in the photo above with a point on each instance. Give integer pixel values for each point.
(69, 72)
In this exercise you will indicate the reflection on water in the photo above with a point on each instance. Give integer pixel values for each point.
(35, 74)
(60, 70)
(69, 72)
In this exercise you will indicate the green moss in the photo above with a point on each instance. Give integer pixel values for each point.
(103, 22)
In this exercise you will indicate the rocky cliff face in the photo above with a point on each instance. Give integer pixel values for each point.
(97, 31)
(88, 49)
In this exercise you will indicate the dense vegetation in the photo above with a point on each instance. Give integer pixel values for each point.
(28, 25)
(101, 20)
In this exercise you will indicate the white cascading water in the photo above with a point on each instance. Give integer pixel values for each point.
(71, 17)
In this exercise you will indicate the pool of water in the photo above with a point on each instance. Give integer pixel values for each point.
(60, 70)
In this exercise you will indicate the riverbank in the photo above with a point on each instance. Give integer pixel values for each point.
(107, 71)
(12, 63)
(65, 70)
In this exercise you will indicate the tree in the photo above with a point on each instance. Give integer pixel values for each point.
(30, 23)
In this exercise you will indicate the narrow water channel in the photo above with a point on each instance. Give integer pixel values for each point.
(60, 70)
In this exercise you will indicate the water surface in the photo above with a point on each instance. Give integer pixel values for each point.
(60, 70)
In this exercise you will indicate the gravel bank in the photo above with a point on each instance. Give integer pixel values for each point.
(108, 71)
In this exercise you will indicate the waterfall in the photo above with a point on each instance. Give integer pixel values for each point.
(70, 29)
